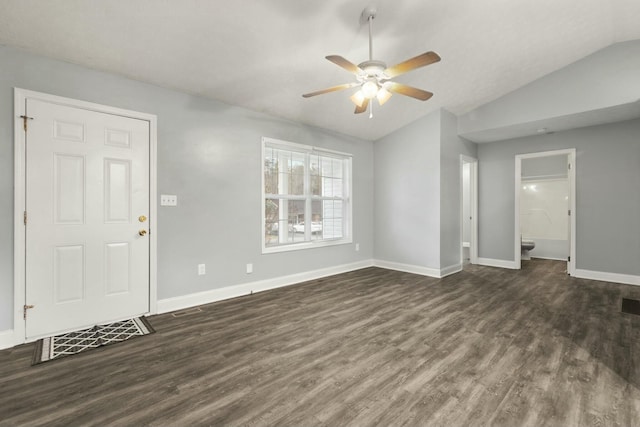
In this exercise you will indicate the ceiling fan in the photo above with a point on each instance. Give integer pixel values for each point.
(374, 77)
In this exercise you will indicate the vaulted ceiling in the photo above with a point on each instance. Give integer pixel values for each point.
(263, 55)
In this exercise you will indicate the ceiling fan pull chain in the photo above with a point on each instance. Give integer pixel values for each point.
(371, 110)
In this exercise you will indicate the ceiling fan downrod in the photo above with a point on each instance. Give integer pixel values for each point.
(370, 13)
(370, 19)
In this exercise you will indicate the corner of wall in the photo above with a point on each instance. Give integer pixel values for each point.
(7, 339)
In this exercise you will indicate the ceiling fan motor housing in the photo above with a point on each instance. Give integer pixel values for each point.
(372, 68)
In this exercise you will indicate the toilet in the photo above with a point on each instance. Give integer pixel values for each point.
(525, 247)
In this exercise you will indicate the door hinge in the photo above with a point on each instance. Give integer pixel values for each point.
(24, 121)
(569, 212)
(569, 258)
(569, 166)
(25, 217)
(24, 310)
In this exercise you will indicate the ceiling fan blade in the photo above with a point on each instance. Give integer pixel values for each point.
(344, 63)
(413, 92)
(411, 64)
(363, 107)
(331, 89)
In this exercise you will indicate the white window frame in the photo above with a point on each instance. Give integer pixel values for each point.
(347, 198)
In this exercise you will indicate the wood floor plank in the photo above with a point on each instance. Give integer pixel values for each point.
(372, 347)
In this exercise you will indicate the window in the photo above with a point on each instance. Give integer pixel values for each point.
(306, 196)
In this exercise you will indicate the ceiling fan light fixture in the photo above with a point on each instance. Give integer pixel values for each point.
(374, 77)
(358, 98)
(383, 95)
(370, 89)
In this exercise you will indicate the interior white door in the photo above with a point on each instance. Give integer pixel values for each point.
(87, 204)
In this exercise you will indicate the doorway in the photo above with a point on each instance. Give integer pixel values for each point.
(85, 210)
(468, 210)
(545, 207)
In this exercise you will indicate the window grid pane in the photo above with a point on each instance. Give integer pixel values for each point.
(286, 219)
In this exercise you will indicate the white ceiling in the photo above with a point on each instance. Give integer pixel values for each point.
(263, 55)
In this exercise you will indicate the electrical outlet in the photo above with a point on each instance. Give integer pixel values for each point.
(357, 247)
(249, 268)
(168, 200)
(202, 270)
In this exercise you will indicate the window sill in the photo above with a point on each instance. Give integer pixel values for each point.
(306, 245)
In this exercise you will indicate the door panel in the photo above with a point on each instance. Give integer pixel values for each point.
(68, 273)
(68, 189)
(117, 191)
(87, 181)
(117, 267)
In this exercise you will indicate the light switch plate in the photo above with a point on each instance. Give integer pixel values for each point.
(168, 200)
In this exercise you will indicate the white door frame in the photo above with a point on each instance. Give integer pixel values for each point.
(571, 152)
(19, 176)
(473, 187)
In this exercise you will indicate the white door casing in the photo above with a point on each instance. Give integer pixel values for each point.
(571, 164)
(88, 178)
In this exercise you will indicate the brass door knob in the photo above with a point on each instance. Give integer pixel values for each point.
(142, 218)
(142, 232)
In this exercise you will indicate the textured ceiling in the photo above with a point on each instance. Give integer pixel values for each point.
(263, 55)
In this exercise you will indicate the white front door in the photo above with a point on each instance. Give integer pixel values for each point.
(87, 208)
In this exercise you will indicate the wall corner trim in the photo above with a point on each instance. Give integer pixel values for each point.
(418, 269)
(7, 339)
(603, 276)
(219, 294)
(500, 263)
(452, 269)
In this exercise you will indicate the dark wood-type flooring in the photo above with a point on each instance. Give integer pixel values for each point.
(372, 347)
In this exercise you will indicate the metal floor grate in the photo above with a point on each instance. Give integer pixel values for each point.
(631, 306)
(186, 312)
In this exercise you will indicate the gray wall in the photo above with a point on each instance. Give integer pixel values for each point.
(407, 194)
(417, 192)
(605, 79)
(209, 155)
(607, 199)
(452, 146)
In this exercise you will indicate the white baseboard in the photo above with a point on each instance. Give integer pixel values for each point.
(550, 258)
(6, 339)
(206, 297)
(489, 262)
(452, 269)
(626, 279)
(407, 268)
(417, 269)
